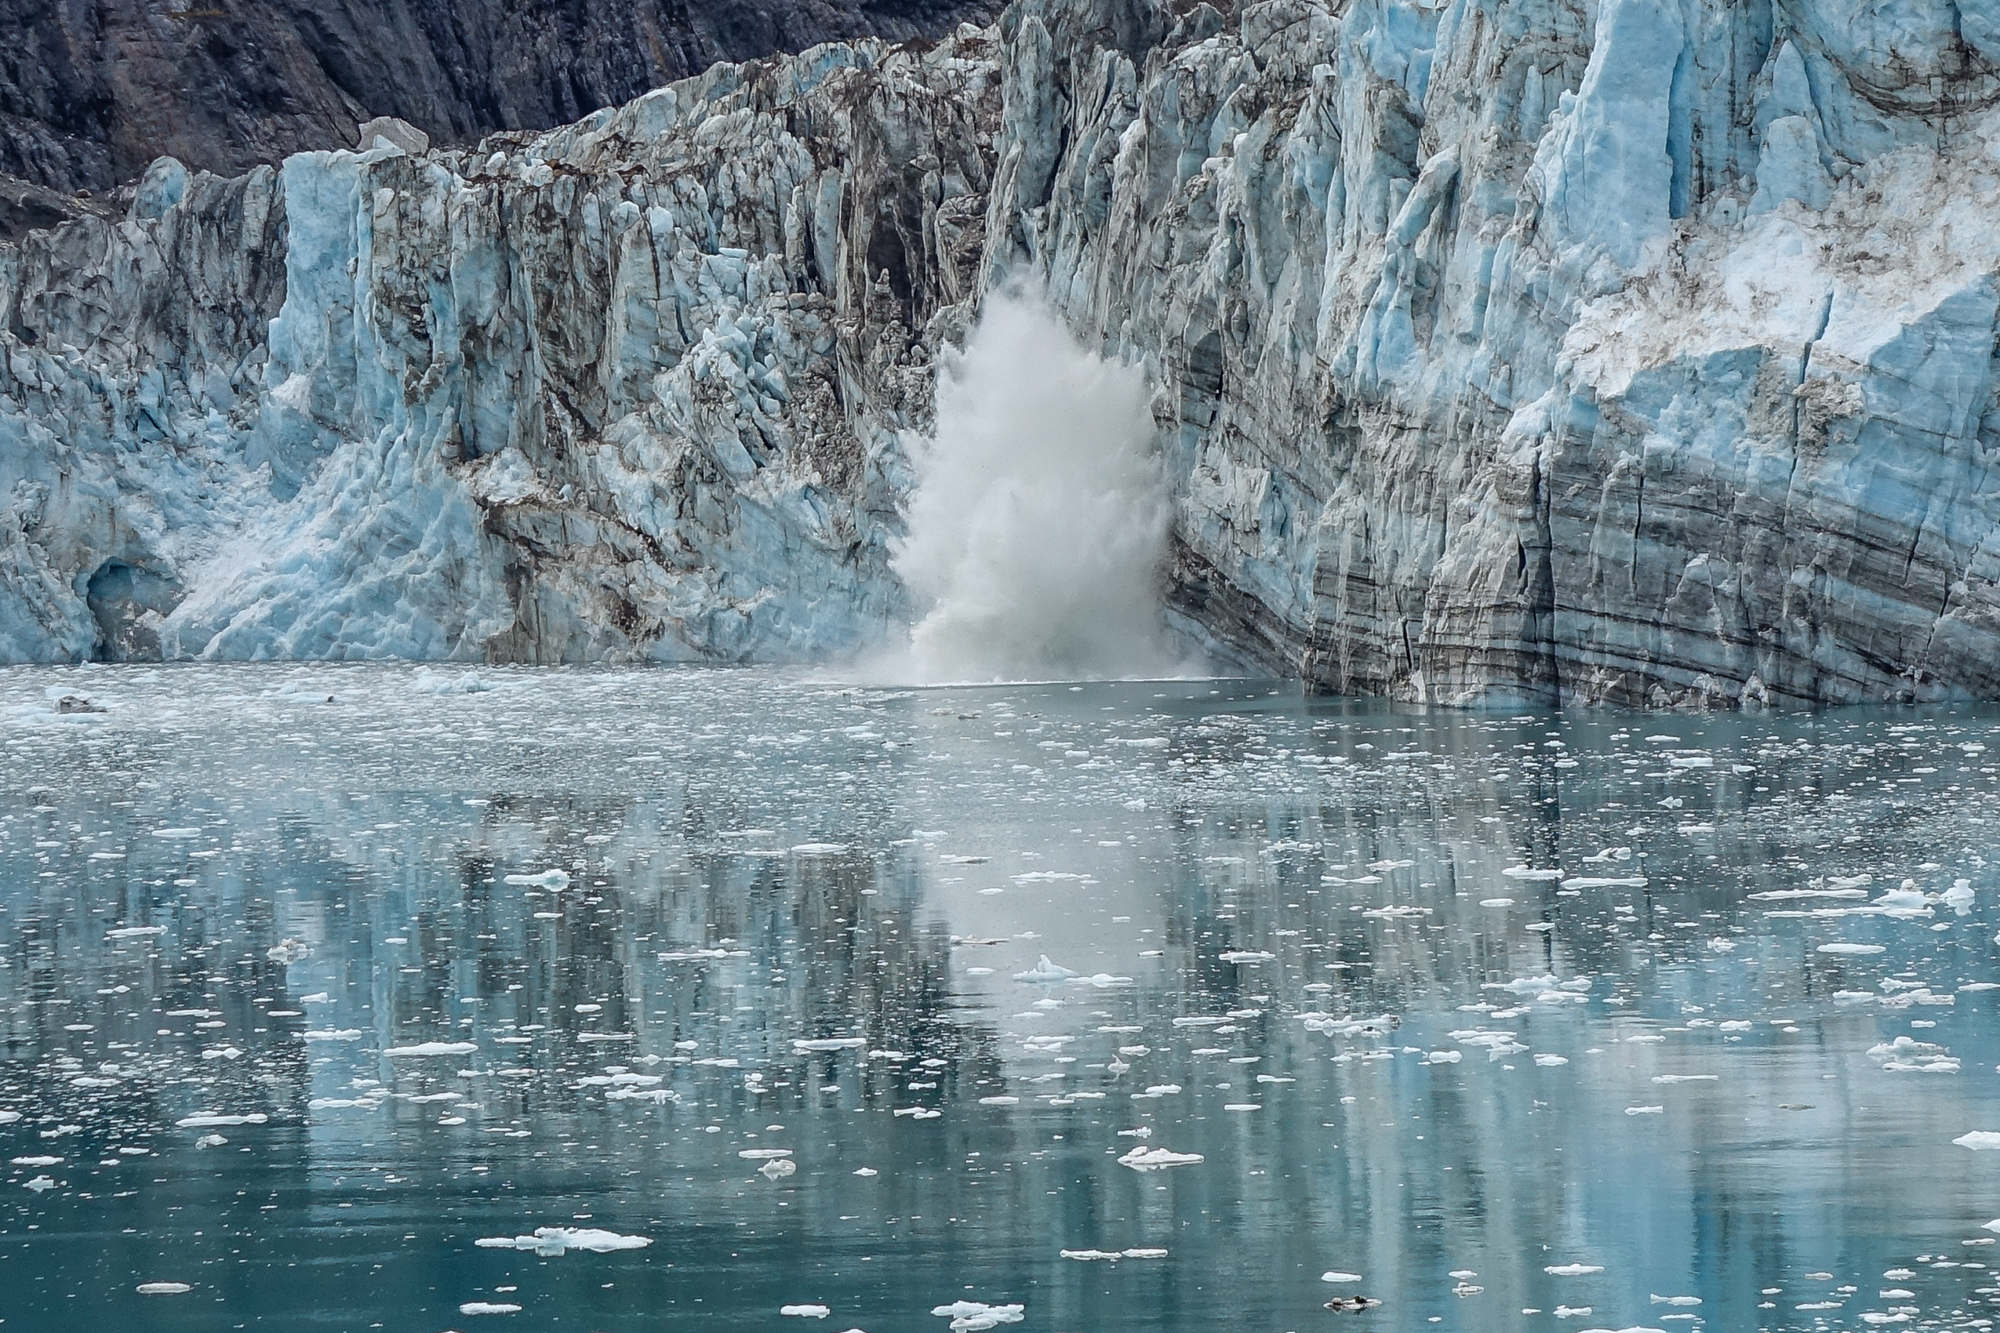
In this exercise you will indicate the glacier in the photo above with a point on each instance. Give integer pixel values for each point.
(1504, 352)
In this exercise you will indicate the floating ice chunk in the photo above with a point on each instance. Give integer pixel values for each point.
(164, 1288)
(828, 1044)
(333, 1034)
(976, 1316)
(427, 681)
(819, 849)
(999, 1101)
(1526, 872)
(1904, 901)
(1500, 1043)
(1050, 877)
(1246, 956)
(1337, 1276)
(1854, 950)
(1959, 896)
(288, 951)
(1102, 980)
(918, 1112)
(210, 1118)
(1551, 1061)
(867, 1171)
(1584, 882)
(544, 879)
(764, 1154)
(1146, 1252)
(36, 1161)
(1686, 1078)
(1645, 1110)
(553, 1241)
(1978, 1140)
(1496, 902)
(424, 1048)
(1572, 1270)
(177, 833)
(212, 1140)
(805, 1311)
(1609, 854)
(1444, 1057)
(1675, 1300)
(134, 932)
(488, 1307)
(1156, 1159)
(1087, 1256)
(1044, 972)
(1906, 1055)
(1523, 985)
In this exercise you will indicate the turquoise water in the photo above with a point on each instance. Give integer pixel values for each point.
(237, 898)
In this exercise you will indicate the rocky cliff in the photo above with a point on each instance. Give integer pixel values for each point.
(1503, 351)
(93, 91)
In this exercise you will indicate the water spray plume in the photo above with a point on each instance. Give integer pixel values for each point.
(1037, 529)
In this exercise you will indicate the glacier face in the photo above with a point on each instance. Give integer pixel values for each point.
(1635, 351)
(628, 390)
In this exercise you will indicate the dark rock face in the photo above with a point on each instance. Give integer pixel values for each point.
(93, 90)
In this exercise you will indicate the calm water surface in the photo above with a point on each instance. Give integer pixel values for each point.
(324, 985)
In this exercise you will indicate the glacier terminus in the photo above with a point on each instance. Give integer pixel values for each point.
(1498, 351)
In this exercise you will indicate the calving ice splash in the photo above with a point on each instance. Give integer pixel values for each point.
(1037, 528)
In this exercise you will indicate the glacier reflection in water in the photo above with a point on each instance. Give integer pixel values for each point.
(390, 997)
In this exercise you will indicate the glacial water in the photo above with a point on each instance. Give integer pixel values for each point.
(322, 985)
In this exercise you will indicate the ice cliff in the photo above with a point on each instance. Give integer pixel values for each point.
(1636, 351)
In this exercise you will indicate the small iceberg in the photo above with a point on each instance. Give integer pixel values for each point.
(1044, 972)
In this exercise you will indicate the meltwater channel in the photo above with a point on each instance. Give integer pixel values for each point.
(369, 997)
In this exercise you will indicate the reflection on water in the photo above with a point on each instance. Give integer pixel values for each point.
(317, 978)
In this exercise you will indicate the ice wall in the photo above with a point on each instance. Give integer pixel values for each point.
(633, 389)
(1515, 350)
(1501, 350)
